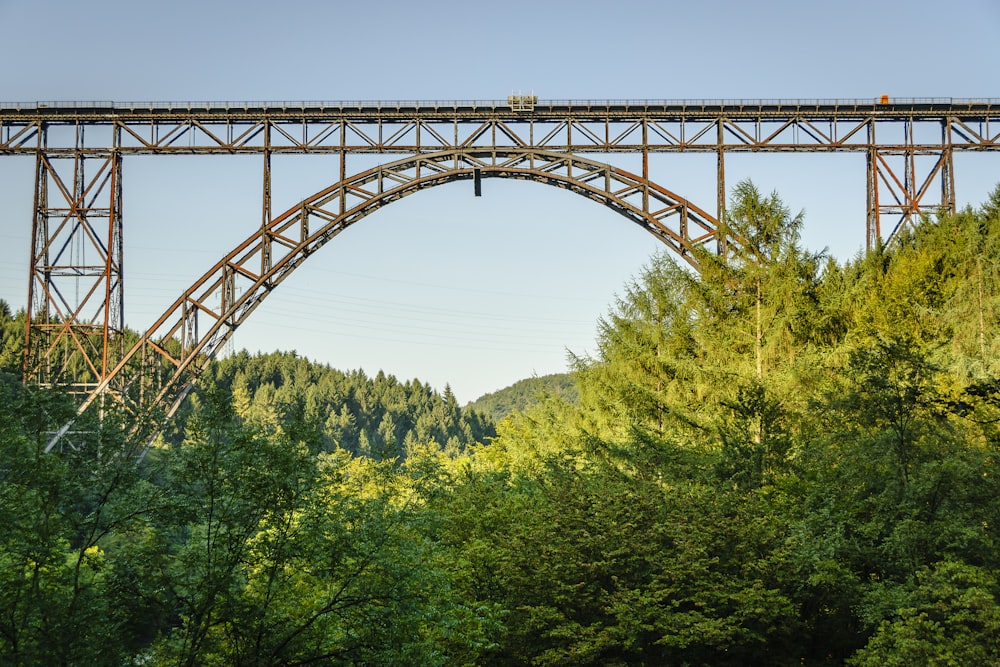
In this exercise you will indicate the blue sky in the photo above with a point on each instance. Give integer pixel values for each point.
(443, 286)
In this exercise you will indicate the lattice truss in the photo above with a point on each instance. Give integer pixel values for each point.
(156, 373)
(909, 151)
(76, 290)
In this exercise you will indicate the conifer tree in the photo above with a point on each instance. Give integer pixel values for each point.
(641, 378)
(754, 305)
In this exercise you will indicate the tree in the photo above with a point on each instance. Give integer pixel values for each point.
(597, 567)
(328, 409)
(756, 305)
(755, 293)
(11, 339)
(951, 617)
(280, 556)
(62, 516)
(642, 377)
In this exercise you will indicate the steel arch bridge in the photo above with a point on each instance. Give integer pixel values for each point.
(76, 337)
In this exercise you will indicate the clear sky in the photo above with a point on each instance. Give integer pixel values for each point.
(443, 286)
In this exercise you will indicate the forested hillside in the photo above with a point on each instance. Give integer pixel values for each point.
(525, 393)
(327, 409)
(779, 460)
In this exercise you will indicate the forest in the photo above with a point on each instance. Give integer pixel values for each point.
(777, 460)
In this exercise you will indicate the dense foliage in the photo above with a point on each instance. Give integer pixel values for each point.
(779, 460)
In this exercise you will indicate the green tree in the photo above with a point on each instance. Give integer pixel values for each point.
(597, 566)
(756, 307)
(11, 339)
(714, 358)
(62, 516)
(642, 377)
(328, 409)
(226, 480)
(279, 556)
(951, 617)
(758, 294)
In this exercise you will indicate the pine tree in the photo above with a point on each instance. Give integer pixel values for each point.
(641, 378)
(754, 307)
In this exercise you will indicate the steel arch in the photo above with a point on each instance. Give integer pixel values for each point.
(157, 372)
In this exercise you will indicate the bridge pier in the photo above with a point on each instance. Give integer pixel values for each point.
(900, 178)
(75, 314)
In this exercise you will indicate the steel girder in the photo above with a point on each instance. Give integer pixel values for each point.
(909, 143)
(827, 128)
(155, 375)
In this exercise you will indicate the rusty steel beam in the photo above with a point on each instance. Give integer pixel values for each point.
(75, 291)
(416, 128)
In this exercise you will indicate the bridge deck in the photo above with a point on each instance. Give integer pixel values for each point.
(107, 111)
(607, 126)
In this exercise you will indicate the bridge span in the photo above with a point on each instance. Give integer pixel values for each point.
(75, 337)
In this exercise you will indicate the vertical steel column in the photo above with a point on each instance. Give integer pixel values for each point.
(114, 274)
(947, 168)
(873, 228)
(720, 184)
(265, 221)
(873, 232)
(343, 163)
(911, 197)
(645, 165)
(32, 369)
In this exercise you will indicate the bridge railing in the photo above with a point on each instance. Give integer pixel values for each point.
(486, 104)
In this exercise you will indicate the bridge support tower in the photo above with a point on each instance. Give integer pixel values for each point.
(75, 318)
(901, 177)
